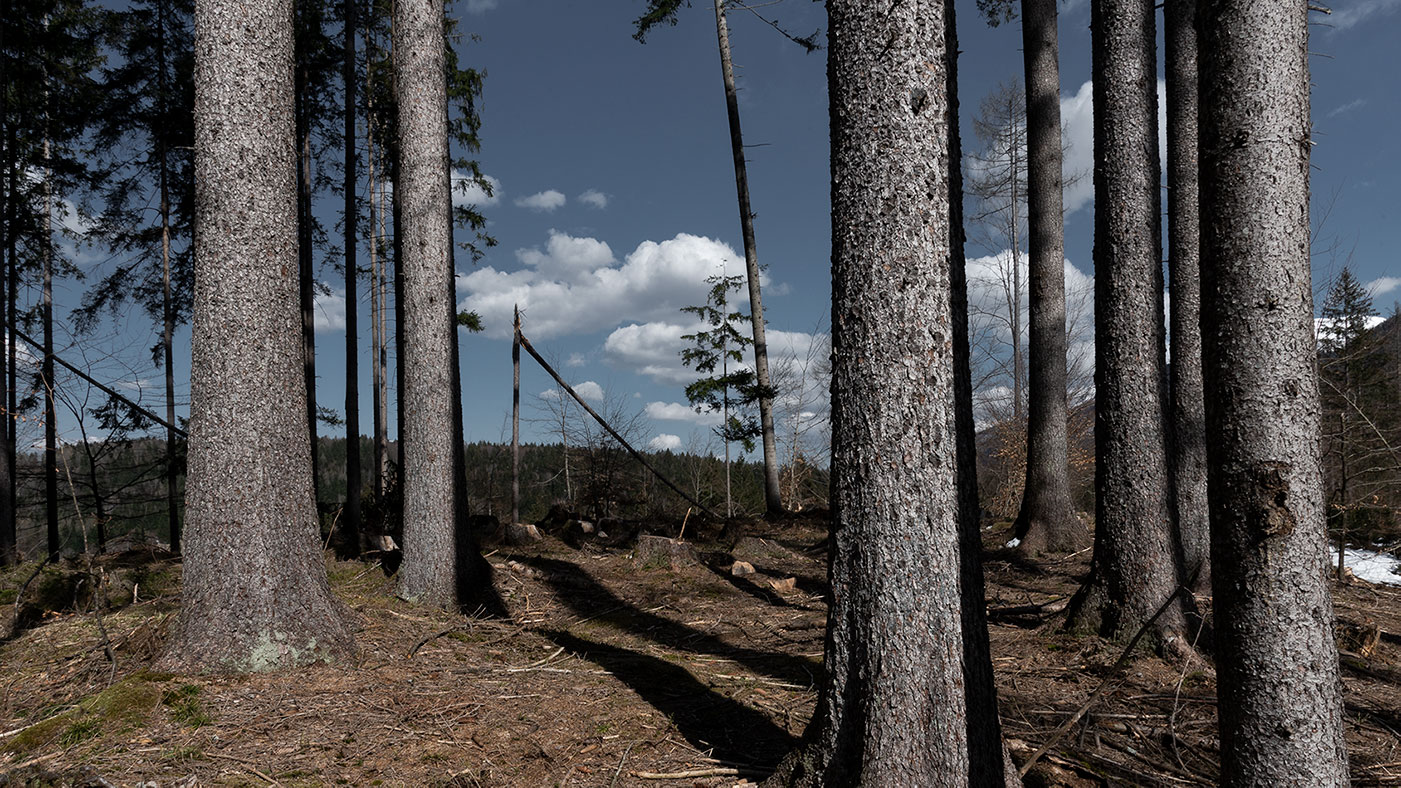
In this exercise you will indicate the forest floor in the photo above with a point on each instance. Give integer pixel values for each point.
(606, 672)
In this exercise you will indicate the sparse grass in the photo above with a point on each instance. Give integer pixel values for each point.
(79, 732)
(115, 710)
(185, 707)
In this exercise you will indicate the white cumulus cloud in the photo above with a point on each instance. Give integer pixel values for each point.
(1383, 285)
(542, 202)
(467, 193)
(594, 199)
(576, 286)
(676, 411)
(590, 391)
(665, 442)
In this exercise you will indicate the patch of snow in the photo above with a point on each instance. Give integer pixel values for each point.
(1369, 565)
(1014, 542)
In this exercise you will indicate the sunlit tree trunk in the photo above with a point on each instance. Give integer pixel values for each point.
(773, 500)
(894, 706)
(255, 592)
(1281, 707)
(429, 569)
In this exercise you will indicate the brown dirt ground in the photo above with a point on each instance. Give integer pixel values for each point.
(604, 672)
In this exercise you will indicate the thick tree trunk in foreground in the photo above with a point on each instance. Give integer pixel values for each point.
(1184, 240)
(773, 499)
(1046, 522)
(1280, 700)
(255, 592)
(429, 570)
(894, 705)
(1134, 568)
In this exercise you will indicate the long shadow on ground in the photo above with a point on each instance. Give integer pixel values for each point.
(587, 598)
(731, 731)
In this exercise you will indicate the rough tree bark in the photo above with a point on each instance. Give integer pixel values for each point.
(351, 524)
(1046, 522)
(305, 262)
(1134, 567)
(1184, 240)
(773, 499)
(429, 570)
(255, 596)
(1280, 700)
(894, 707)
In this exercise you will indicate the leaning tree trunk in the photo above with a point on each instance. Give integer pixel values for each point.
(1281, 709)
(429, 569)
(894, 704)
(351, 526)
(1188, 408)
(255, 596)
(1134, 568)
(773, 499)
(1046, 522)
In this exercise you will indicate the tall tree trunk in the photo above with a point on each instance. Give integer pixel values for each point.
(1188, 408)
(894, 705)
(256, 596)
(378, 353)
(47, 370)
(1014, 300)
(773, 500)
(1134, 568)
(516, 420)
(430, 562)
(172, 493)
(11, 318)
(1046, 522)
(351, 525)
(305, 264)
(986, 760)
(9, 541)
(1281, 708)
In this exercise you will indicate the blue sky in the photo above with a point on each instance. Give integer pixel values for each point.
(615, 196)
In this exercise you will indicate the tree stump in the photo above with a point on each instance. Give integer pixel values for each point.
(659, 551)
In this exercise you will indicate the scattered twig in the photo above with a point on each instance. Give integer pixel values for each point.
(420, 644)
(537, 663)
(247, 764)
(1100, 690)
(619, 770)
(332, 531)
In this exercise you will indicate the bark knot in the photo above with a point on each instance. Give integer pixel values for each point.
(1272, 495)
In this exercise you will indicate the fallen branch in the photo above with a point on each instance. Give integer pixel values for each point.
(722, 771)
